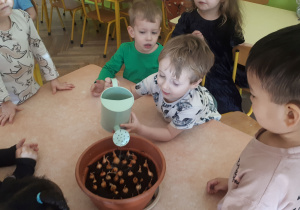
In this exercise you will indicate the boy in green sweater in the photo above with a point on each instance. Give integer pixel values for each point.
(140, 57)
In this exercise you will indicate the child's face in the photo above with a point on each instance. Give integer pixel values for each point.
(268, 114)
(173, 89)
(208, 5)
(6, 7)
(145, 35)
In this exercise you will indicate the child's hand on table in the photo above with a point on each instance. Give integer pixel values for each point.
(134, 125)
(97, 88)
(8, 113)
(26, 150)
(216, 185)
(56, 85)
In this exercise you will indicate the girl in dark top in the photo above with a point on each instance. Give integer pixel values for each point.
(219, 22)
(22, 190)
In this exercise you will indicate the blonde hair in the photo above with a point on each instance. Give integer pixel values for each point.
(146, 10)
(230, 9)
(188, 52)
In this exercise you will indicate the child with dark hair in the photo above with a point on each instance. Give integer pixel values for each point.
(22, 190)
(266, 176)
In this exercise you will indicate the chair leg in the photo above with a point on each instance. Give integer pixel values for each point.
(73, 23)
(50, 21)
(168, 36)
(106, 40)
(61, 21)
(250, 111)
(96, 25)
(113, 33)
(42, 14)
(37, 74)
(126, 24)
(83, 30)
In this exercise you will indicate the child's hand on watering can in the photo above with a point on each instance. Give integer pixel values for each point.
(134, 125)
(97, 88)
(108, 83)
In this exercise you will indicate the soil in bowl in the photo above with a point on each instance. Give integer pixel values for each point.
(121, 174)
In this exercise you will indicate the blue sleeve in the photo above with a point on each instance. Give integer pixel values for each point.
(22, 4)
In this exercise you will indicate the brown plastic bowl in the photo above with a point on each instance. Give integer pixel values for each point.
(103, 146)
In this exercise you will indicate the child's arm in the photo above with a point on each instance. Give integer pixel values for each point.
(31, 11)
(45, 62)
(109, 70)
(159, 134)
(26, 155)
(216, 185)
(181, 26)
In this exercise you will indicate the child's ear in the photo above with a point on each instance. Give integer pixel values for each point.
(292, 114)
(130, 31)
(196, 84)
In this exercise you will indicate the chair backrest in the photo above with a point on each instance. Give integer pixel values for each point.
(98, 5)
(174, 8)
(240, 55)
(265, 2)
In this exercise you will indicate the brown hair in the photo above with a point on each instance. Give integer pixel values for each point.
(275, 61)
(188, 52)
(146, 10)
(231, 9)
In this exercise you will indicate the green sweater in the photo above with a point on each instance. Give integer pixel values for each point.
(138, 65)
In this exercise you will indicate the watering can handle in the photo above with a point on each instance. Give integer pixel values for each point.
(114, 82)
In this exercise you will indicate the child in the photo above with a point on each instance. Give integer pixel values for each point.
(22, 190)
(27, 6)
(19, 45)
(139, 56)
(266, 176)
(219, 22)
(175, 89)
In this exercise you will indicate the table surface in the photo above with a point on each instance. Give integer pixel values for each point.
(66, 123)
(260, 20)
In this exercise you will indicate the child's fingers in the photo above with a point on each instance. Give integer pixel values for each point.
(3, 119)
(20, 143)
(53, 89)
(210, 187)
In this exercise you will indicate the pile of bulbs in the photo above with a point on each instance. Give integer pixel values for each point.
(121, 174)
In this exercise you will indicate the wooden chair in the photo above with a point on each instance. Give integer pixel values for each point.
(170, 10)
(240, 54)
(36, 72)
(102, 15)
(265, 2)
(67, 5)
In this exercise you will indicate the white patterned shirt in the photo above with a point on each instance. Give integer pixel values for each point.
(197, 106)
(18, 47)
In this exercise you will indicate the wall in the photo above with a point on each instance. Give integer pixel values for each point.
(284, 4)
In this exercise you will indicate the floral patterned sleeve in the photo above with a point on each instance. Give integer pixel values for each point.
(40, 53)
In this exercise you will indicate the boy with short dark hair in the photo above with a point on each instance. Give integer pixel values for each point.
(266, 176)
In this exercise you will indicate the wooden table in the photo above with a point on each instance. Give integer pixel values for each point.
(261, 20)
(66, 123)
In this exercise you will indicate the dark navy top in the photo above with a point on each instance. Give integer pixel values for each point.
(221, 39)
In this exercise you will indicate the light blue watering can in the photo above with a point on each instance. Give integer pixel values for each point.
(115, 110)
